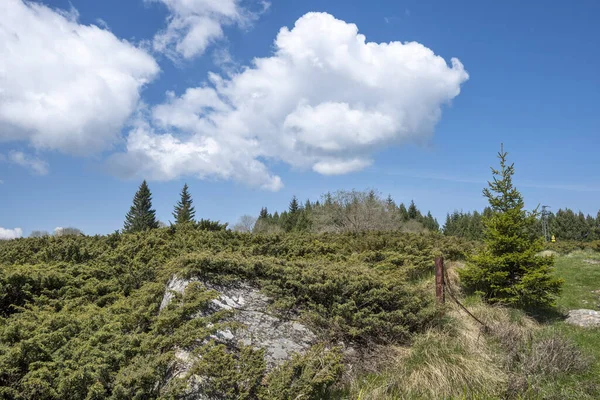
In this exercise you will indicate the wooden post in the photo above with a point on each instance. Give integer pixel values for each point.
(439, 280)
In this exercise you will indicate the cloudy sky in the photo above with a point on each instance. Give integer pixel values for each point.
(253, 101)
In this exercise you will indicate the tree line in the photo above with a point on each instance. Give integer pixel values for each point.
(564, 225)
(346, 211)
(341, 211)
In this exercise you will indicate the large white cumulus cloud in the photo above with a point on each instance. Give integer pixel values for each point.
(63, 85)
(326, 100)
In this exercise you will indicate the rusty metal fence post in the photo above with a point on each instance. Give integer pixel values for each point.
(439, 280)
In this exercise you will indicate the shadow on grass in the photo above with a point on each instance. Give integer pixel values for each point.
(546, 315)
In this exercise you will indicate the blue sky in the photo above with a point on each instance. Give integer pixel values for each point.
(87, 113)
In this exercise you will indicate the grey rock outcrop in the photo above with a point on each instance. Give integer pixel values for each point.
(584, 318)
(279, 338)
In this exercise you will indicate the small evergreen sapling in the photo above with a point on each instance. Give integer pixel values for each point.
(508, 271)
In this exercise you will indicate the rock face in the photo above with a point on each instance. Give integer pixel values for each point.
(584, 318)
(278, 337)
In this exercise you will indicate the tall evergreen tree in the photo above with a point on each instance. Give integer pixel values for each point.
(264, 213)
(141, 216)
(413, 212)
(431, 223)
(291, 220)
(391, 204)
(184, 211)
(403, 212)
(308, 206)
(303, 224)
(294, 206)
(508, 271)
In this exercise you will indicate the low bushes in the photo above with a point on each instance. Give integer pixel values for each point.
(345, 301)
(79, 315)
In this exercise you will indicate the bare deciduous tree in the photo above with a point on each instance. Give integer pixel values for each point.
(245, 224)
(355, 211)
(263, 226)
(69, 231)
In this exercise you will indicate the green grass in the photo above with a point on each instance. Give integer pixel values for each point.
(582, 278)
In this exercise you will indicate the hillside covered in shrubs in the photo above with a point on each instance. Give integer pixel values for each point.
(79, 315)
(84, 317)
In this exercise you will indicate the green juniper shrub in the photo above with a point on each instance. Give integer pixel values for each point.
(79, 316)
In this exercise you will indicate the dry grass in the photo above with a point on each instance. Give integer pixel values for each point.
(453, 361)
(514, 358)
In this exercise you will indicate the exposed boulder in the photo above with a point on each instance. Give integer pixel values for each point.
(584, 318)
(279, 338)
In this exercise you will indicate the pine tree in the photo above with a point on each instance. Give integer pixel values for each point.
(184, 211)
(413, 212)
(508, 271)
(448, 228)
(141, 216)
(294, 206)
(308, 206)
(289, 223)
(391, 204)
(403, 212)
(264, 213)
(304, 223)
(431, 223)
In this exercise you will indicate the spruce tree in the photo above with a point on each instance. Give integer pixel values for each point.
(294, 206)
(264, 213)
(141, 216)
(303, 224)
(308, 206)
(403, 212)
(391, 205)
(413, 212)
(184, 211)
(289, 223)
(431, 223)
(508, 271)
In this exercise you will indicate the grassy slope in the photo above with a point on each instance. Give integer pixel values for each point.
(457, 361)
(582, 278)
(581, 272)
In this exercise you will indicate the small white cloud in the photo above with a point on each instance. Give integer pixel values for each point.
(33, 163)
(340, 167)
(102, 24)
(65, 86)
(8, 234)
(193, 25)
